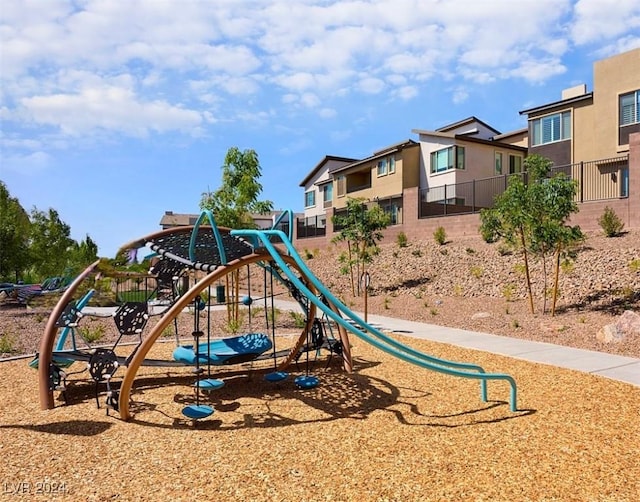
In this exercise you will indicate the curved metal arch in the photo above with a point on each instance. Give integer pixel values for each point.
(206, 213)
(48, 338)
(288, 213)
(168, 317)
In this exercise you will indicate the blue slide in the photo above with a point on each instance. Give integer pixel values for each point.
(363, 330)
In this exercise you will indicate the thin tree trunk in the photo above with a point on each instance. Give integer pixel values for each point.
(544, 283)
(555, 282)
(353, 285)
(526, 269)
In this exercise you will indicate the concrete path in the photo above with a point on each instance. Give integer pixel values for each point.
(622, 368)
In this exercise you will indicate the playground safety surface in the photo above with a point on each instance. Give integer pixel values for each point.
(389, 431)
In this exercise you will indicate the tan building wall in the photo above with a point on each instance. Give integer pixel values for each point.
(611, 77)
(388, 185)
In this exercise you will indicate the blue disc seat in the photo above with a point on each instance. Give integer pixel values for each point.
(225, 351)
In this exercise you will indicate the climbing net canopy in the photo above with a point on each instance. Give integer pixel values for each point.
(205, 252)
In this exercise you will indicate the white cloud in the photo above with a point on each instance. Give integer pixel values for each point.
(460, 95)
(596, 20)
(405, 92)
(150, 66)
(538, 71)
(109, 108)
(370, 85)
(327, 113)
(27, 164)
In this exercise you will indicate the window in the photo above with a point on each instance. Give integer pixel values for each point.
(498, 162)
(515, 164)
(630, 108)
(327, 193)
(449, 158)
(342, 186)
(624, 182)
(556, 127)
(310, 198)
(386, 166)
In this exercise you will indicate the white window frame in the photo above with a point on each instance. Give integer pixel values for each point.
(540, 124)
(327, 192)
(392, 164)
(310, 194)
(381, 168)
(633, 116)
(455, 159)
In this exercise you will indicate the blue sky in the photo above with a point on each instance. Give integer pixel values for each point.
(114, 111)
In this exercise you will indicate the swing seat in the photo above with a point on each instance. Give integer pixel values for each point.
(306, 382)
(234, 350)
(276, 376)
(197, 411)
(209, 384)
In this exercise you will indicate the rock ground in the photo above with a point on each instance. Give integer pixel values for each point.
(465, 283)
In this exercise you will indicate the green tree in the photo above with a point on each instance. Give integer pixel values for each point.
(14, 236)
(237, 198)
(532, 217)
(361, 228)
(82, 253)
(50, 243)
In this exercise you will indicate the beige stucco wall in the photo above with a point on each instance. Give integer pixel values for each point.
(407, 168)
(611, 77)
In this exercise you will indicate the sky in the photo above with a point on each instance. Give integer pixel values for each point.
(115, 111)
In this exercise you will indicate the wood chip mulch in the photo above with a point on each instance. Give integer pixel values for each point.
(389, 431)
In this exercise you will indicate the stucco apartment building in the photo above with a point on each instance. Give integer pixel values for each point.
(452, 172)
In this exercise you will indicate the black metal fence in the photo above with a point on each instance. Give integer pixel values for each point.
(597, 180)
(311, 226)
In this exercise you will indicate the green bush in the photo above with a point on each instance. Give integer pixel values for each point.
(610, 223)
(7, 343)
(440, 236)
(402, 240)
(299, 319)
(92, 334)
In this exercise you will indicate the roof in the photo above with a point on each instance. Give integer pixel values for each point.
(492, 142)
(556, 104)
(502, 136)
(468, 120)
(320, 165)
(380, 153)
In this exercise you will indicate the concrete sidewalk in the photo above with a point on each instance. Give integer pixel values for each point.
(622, 368)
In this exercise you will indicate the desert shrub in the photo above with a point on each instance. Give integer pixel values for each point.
(440, 236)
(610, 223)
(91, 334)
(299, 319)
(508, 291)
(402, 240)
(7, 343)
(476, 271)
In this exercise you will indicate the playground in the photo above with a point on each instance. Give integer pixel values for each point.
(329, 408)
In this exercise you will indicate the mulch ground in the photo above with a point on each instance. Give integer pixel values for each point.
(389, 431)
